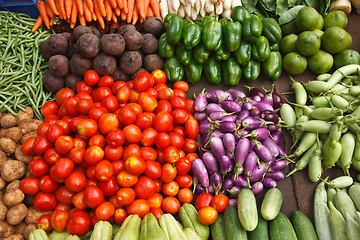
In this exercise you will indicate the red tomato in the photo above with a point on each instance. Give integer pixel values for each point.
(125, 196)
(48, 108)
(115, 137)
(136, 107)
(93, 196)
(119, 216)
(27, 146)
(192, 128)
(163, 106)
(152, 92)
(147, 102)
(51, 118)
(105, 211)
(170, 189)
(87, 127)
(63, 168)
(76, 182)
(132, 134)
(144, 187)
(131, 150)
(162, 140)
(179, 115)
(45, 201)
(64, 195)
(157, 212)
(59, 220)
(104, 170)
(118, 166)
(97, 140)
(79, 224)
(109, 188)
(62, 207)
(185, 195)
(179, 93)
(153, 169)
(74, 122)
(54, 131)
(82, 87)
(134, 96)
(62, 111)
(107, 122)
(168, 172)
(96, 112)
(126, 116)
(70, 106)
(125, 179)
(159, 76)
(190, 106)
(171, 154)
(84, 95)
(159, 184)
(42, 129)
(163, 121)
(142, 81)
(181, 85)
(78, 200)
(123, 94)
(113, 153)
(116, 86)
(166, 93)
(203, 200)
(183, 166)
(30, 185)
(148, 153)
(148, 137)
(65, 125)
(192, 156)
(140, 207)
(177, 102)
(207, 215)
(170, 205)
(91, 77)
(155, 200)
(105, 81)
(77, 155)
(143, 121)
(184, 181)
(100, 93)
(220, 202)
(190, 145)
(47, 184)
(41, 144)
(38, 167)
(84, 106)
(110, 103)
(63, 94)
(93, 155)
(51, 156)
(135, 165)
(44, 223)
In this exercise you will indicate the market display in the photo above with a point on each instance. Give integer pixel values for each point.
(100, 137)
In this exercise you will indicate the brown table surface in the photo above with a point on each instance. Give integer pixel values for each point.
(298, 190)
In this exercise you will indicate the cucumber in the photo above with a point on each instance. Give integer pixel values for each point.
(303, 227)
(281, 228)
(247, 209)
(271, 204)
(218, 231)
(233, 228)
(261, 231)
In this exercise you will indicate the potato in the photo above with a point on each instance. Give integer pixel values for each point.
(33, 215)
(130, 62)
(19, 229)
(8, 121)
(79, 31)
(6, 230)
(152, 62)
(14, 133)
(12, 170)
(29, 125)
(150, 44)
(16, 214)
(88, 45)
(3, 157)
(28, 229)
(2, 132)
(154, 26)
(71, 80)
(7, 145)
(29, 199)
(3, 210)
(19, 155)
(15, 237)
(112, 44)
(59, 65)
(13, 197)
(119, 75)
(57, 44)
(27, 114)
(126, 27)
(133, 40)
(80, 64)
(132, 76)
(28, 135)
(104, 64)
(52, 82)
(2, 185)
(13, 186)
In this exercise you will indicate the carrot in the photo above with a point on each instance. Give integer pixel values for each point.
(62, 8)
(135, 15)
(98, 14)
(150, 13)
(131, 6)
(90, 5)
(114, 26)
(108, 10)
(82, 20)
(101, 6)
(37, 24)
(114, 16)
(53, 6)
(113, 3)
(74, 14)
(49, 12)
(123, 15)
(87, 12)
(140, 4)
(68, 8)
(146, 5)
(93, 16)
(41, 5)
(58, 9)
(117, 11)
(120, 4)
(52, 21)
(155, 5)
(80, 7)
(126, 7)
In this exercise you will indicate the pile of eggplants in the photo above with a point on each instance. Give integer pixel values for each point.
(239, 142)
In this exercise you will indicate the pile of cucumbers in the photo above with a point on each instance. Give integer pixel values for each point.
(226, 49)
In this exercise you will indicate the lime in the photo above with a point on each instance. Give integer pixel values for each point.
(308, 43)
(335, 18)
(320, 62)
(288, 44)
(294, 63)
(308, 19)
(319, 32)
(335, 39)
(346, 57)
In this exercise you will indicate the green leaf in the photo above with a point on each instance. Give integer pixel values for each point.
(314, 3)
(281, 7)
(291, 3)
(290, 14)
(249, 4)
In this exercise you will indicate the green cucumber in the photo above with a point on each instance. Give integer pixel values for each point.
(261, 231)
(233, 228)
(281, 228)
(271, 204)
(218, 231)
(247, 209)
(303, 227)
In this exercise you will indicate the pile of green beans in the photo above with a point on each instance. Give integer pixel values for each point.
(21, 64)
(324, 122)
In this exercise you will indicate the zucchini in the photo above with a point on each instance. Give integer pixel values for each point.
(261, 231)
(247, 209)
(303, 227)
(218, 228)
(233, 228)
(281, 228)
(271, 204)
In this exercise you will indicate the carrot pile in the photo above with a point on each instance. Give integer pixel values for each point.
(95, 10)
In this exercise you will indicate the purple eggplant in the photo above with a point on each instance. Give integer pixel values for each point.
(217, 147)
(198, 138)
(233, 202)
(216, 182)
(231, 118)
(256, 98)
(234, 191)
(241, 151)
(276, 135)
(225, 163)
(215, 96)
(201, 152)
(247, 106)
(263, 152)
(205, 141)
(241, 134)
(252, 146)
(226, 126)
(216, 116)
(278, 165)
(200, 189)
(232, 167)
(255, 92)
(253, 123)
(240, 181)
(269, 182)
(214, 107)
(250, 163)
(273, 127)
(242, 115)
(278, 175)
(226, 185)
(230, 106)
(228, 96)
(259, 134)
(210, 162)
(272, 146)
(281, 152)
(229, 154)
(205, 126)
(229, 141)
(236, 93)
(200, 102)
(269, 96)
(262, 106)
(211, 189)
(257, 173)
(270, 116)
(255, 112)
(199, 116)
(277, 100)
(257, 187)
(199, 170)
(218, 133)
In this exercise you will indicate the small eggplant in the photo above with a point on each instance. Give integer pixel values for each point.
(253, 123)
(262, 106)
(255, 112)
(256, 98)
(232, 166)
(215, 96)
(229, 141)
(278, 165)
(236, 93)
(200, 172)
(242, 115)
(214, 107)
(252, 146)
(240, 181)
(276, 135)
(228, 96)
(234, 191)
(257, 187)
(200, 102)
(225, 163)
(233, 202)
(269, 182)
(210, 162)
(278, 175)
(281, 152)
(241, 151)
(205, 141)
(211, 189)
(256, 92)
(229, 154)
(259, 134)
(216, 182)
(217, 147)
(230, 106)
(216, 116)
(199, 116)
(225, 126)
(247, 106)
(272, 146)
(269, 97)
(230, 118)
(257, 173)
(263, 152)
(204, 126)
(218, 133)
(277, 100)
(226, 185)
(250, 163)
(241, 134)
(200, 189)
(270, 116)
(273, 127)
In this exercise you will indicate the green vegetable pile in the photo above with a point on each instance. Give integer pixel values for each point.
(227, 49)
(21, 64)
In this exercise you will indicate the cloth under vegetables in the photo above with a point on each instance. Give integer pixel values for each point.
(21, 64)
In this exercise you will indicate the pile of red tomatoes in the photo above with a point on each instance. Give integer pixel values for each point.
(112, 149)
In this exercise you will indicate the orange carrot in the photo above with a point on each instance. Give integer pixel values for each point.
(108, 10)
(87, 12)
(120, 4)
(74, 14)
(150, 13)
(114, 16)
(80, 7)
(126, 6)
(90, 5)
(98, 14)
(52, 21)
(49, 12)
(113, 3)
(135, 15)
(131, 7)
(146, 6)
(68, 8)
(41, 5)
(62, 8)
(53, 6)
(117, 11)
(101, 6)
(58, 9)
(82, 20)
(141, 7)
(37, 24)
(155, 5)
(114, 26)
(123, 15)
(93, 16)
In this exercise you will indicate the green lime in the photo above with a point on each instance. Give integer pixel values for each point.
(335, 39)
(346, 57)
(335, 18)
(320, 62)
(308, 43)
(319, 32)
(308, 19)
(288, 44)
(294, 63)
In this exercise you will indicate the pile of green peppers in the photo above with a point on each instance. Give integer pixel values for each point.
(226, 49)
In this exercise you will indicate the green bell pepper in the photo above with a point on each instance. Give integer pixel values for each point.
(193, 71)
(203, 20)
(275, 46)
(200, 53)
(251, 70)
(167, 19)
(271, 30)
(232, 34)
(231, 71)
(174, 29)
(243, 53)
(173, 69)
(211, 34)
(182, 54)
(240, 14)
(166, 50)
(252, 29)
(260, 50)
(222, 53)
(191, 35)
(272, 66)
(212, 69)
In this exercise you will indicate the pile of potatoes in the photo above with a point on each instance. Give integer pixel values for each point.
(17, 215)
(121, 54)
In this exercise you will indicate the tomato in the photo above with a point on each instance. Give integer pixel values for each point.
(96, 112)
(163, 106)
(64, 195)
(109, 188)
(192, 156)
(177, 102)
(162, 140)
(84, 95)
(142, 81)
(104, 170)
(207, 215)
(51, 118)
(190, 106)
(135, 165)
(179, 93)
(170, 189)
(93, 196)
(90, 172)
(110, 103)
(84, 106)
(203, 200)
(62, 207)
(171, 154)
(192, 128)
(163, 121)
(140, 207)
(78, 200)
(44, 223)
(100, 93)
(48, 108)
(41, 144)
(79, 224)
(119, 216)
(190, 145)
(148, 153)
(30, 185)
(91, 77)
(157, 212)
(87, 127)
(148, 137)
(118, 166)
(168, 172)
(134, 96)
(185, 195)
(181, 85)
(97, 140)
(126, 116)
(136, 107)
(159, 76)
(82, 87)
(153, 169)
(153, 92)
(77, 155)
(143, 121)
(125, 179)
(105, 81)
(51, 156)
(115, 137)
(165, 93)
(113, 153)
(42, 129)
(45, 201)
(125, 196)
(107, 122)
(93, 155)
(105, 211)
(220, 202)
(70, 106)
(59, 219)
(63, 168)
(38, 167)
(123, 94)
(144, 187)
(170, 205)
(131, 150)
(183, 166)
(180, 116)
(47, 184)
(155, 200)
(159, 184)
(147, 102)
(63, 94)
(76, 181)
(54, 131)
(132, 133)
(74, 122)
(114, 201)
(62, 111)
(116, 86)
(180, 130)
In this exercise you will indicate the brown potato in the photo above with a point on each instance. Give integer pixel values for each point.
(12, 170)
(3, 210)
(33, 215)
(28, 135)
(2, 132)
(13, 197)
(7, 145)
(6, 230)
(29, 200)
(15, 237)
(2, 186)
(28, 114)
(13, 185)
(29, 125)
(16, 214)
(21, 156)
(8, 121)
(28, 229)
(19, 229)
(14, 133)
